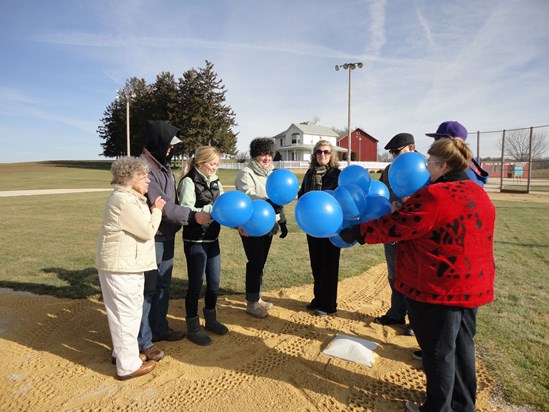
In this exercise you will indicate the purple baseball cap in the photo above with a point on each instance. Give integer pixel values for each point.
(450, 129)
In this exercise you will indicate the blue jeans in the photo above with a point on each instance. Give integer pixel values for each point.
(157, 295)
(202, 258)
(399, 305)
(445, 335)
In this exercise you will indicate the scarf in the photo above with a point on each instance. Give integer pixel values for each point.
(319, 172)
(258, 169)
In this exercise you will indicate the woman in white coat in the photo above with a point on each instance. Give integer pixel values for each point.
(125, 249)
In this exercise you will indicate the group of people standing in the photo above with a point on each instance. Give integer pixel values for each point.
(443, 265)
(438, 247)
(136, 246)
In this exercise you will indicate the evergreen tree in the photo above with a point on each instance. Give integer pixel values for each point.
(194, 103)
(113, 129)
(205, 118)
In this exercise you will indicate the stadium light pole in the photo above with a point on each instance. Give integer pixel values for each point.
(126, 95)
(350, 67)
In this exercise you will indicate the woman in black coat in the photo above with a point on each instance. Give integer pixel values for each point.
(323, 174)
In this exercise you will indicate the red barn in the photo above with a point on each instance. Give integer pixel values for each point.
(363, 146)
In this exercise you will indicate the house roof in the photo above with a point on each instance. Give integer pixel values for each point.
(358, 129)
(309, 147)
(310, 128)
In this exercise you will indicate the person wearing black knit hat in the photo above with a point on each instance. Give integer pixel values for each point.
(252, 180)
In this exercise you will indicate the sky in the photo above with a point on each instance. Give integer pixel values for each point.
(484, 63)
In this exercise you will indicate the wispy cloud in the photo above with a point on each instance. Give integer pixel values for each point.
(423, 23)
(17, 104)
(377, 26)
(109, 41)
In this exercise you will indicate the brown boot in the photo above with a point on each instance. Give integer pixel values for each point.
(153, 353)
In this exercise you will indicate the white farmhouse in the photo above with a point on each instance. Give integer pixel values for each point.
(298, 141)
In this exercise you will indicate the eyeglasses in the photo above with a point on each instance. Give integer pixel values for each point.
(396, 151)
(324, 152)
(427, 163)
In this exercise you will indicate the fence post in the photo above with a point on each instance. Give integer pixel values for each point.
(478, 146)
(502, 160)
(530, 159)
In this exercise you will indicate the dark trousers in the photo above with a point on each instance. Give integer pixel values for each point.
(202, 259)
(154, 321)
(445, 335)
(324, 257)
(399, 306)
(257, 251)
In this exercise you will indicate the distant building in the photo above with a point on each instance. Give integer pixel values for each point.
(516, 171)
(363, 146)
(298, 141)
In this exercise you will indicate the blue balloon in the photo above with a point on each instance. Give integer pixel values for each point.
(340, 243)
(352, 200)
(408, 174)
(318, 214)
(355, 175)
(379, 188)
(232, 209)
(282, 186)
(377, 206)
(262, 220)
(336, 239)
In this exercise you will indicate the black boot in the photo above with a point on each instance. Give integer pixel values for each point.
(195, 333)
(212, 324)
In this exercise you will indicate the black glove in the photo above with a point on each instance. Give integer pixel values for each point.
(350, 234)
(283, 230)
(277, 208)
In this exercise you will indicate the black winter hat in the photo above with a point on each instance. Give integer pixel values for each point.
(400, 140)
(261, 146)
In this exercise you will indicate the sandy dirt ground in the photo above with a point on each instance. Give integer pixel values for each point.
(56, 357)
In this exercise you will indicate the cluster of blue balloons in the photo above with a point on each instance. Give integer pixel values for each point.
(257, 217)
(324, 214)
(357, 199)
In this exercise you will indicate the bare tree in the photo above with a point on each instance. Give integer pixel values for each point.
(517, 145)
(384, 157)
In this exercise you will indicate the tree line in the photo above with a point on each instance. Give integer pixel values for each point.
(194, 102)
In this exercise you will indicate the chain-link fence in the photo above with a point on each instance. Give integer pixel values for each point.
(516, 159)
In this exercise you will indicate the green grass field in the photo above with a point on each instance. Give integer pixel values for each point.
(48, 247)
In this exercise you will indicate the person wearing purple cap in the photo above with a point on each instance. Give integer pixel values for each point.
(449, 129)
(452, 129)
(445, 267)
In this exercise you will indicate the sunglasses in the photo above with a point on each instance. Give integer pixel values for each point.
(396, 151)
(324, 152)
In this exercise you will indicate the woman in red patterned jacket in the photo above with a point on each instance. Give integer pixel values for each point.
(445, 267)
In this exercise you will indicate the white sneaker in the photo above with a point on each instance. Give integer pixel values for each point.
(412, 407)
(256, 310)
(265, 305)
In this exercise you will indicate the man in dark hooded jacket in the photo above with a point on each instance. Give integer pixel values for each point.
(160, 137)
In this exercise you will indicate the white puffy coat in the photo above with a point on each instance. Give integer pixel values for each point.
(126, 239)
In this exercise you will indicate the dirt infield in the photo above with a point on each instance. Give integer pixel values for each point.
(57, 358)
